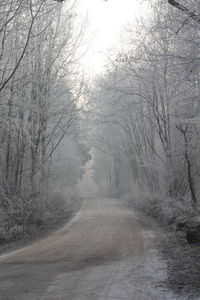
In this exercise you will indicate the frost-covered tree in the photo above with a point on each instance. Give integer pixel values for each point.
(148, 103)
(41, 94)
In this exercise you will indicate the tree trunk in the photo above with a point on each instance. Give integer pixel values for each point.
(189, 167)
(184, 9)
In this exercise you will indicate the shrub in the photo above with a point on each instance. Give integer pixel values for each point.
(20, 216)
(168, 211)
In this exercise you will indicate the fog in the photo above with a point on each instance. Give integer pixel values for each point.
(99, 100)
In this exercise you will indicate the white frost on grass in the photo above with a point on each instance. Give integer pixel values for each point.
(138, 278)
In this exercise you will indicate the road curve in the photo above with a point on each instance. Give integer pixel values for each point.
(104, 253)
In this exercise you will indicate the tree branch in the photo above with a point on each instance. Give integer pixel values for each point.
(183, 8)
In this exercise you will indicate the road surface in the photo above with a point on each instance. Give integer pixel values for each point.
(104, 253)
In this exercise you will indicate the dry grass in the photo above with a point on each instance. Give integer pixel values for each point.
(168, 211)
(21, 217)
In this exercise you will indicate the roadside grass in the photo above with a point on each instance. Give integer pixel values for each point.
(28, 218)
(169, 212)
(182, 259)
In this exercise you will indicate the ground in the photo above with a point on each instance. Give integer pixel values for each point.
(105, 252)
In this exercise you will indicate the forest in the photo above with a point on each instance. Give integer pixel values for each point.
(139, 119)
(100, 149)
(146, 114)
(42, 149)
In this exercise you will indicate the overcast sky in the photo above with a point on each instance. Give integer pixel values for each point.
(106, 18)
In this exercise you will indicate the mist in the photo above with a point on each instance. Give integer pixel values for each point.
(99, 151)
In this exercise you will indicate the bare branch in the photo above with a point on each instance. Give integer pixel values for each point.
(183, 8)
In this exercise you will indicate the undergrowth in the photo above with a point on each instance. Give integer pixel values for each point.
(167, 211)
(22, 215)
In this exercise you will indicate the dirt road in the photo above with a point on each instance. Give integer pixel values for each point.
(104, 253)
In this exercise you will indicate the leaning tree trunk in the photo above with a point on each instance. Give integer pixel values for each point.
(189, 166)
(191, 14)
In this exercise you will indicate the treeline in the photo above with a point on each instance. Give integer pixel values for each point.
(147, 114)
(40, 108)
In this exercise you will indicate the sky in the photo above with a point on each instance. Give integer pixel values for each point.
(105, 22)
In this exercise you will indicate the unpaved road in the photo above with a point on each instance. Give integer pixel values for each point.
(104, 253)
